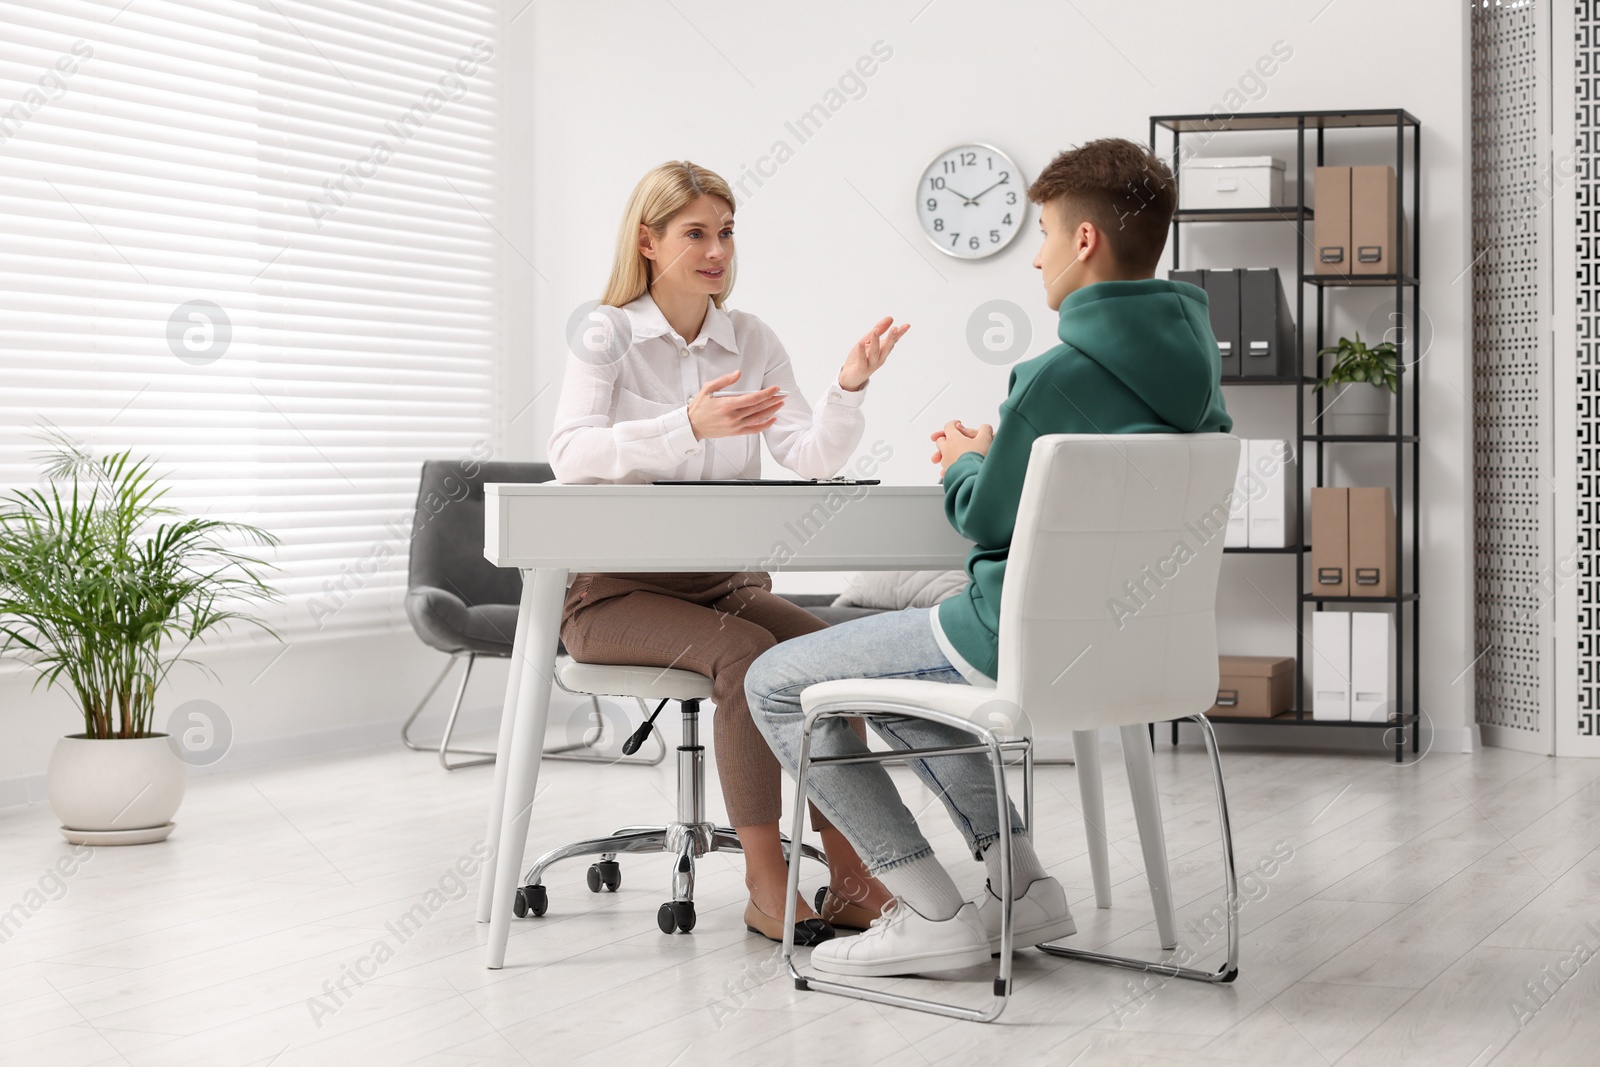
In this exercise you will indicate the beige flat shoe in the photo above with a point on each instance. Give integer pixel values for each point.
(837, 911)
(807, 932)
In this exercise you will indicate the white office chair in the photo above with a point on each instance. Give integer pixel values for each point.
(1080, 650)
(687, 838)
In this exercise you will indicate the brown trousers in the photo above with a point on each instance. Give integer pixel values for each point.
(712, 624)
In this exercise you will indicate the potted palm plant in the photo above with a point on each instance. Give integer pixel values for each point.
(102, 590)
(1365, 377)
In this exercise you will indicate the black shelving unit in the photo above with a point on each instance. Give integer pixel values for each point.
(1406, 604)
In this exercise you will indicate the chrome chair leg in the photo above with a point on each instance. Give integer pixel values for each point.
(687, 838)
(1028, 763)
(1230, 968)
(669, 837)
(985, 741)
(727, 840)
(643, 839)
(683, 872)
(806, 853)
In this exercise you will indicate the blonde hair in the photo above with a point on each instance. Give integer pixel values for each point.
(656, 200)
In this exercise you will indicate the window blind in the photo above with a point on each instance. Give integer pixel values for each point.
(253, 240)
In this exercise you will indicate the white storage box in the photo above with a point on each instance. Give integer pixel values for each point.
(1234, 181)
(1274, 518)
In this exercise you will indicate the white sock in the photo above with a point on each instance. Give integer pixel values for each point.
(1025, 866)
(926, 888)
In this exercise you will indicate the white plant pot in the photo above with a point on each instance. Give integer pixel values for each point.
(115, 790)
(1358, 408)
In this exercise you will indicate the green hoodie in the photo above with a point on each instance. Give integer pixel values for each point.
(1136, 357)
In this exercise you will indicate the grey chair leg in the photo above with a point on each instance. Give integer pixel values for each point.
(450, 729)
(985, 742)
(405, 727)
(1230, 968)
(444, 749)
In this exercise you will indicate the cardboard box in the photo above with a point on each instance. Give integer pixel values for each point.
(1330, 541)
(1372, 559)
(1331, 224)
(1373, 213)
(1254, 686)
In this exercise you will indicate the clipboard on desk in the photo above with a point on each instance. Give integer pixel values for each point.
(767, 481)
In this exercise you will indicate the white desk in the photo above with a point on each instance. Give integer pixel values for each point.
(549, 531)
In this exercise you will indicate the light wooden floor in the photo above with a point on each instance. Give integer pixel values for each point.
(1413, 909)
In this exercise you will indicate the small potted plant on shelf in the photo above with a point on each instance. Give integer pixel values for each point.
(102, 590)
(1366, 379)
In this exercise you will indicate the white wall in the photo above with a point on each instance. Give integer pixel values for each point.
(829, 242)
(605, 89)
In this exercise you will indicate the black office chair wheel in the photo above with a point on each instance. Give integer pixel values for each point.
(530, 898)
(676, 915)
(607, 873)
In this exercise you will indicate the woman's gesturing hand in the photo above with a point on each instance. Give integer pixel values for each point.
(732, 416)
(869, 353)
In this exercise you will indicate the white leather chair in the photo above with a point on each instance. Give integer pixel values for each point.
(689, 837)
(1080, 649)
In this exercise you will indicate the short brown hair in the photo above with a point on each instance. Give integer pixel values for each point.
(1121, 187)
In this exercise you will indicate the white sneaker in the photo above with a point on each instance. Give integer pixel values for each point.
(1039, 915)
(902, 941)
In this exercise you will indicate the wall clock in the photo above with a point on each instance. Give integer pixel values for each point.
(971, 201)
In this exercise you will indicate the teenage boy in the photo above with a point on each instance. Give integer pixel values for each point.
(1137, 356)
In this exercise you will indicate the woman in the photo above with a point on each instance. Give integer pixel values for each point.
(641, 402)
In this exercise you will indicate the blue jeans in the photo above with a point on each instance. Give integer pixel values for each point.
(861, 799)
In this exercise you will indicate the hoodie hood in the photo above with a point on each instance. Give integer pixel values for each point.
(1155, 337)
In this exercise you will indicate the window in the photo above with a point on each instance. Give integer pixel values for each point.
(254, 241)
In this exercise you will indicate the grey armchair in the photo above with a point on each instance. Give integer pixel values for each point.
(461, 604)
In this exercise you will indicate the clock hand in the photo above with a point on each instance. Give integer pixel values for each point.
(964, 196)
(974, 200)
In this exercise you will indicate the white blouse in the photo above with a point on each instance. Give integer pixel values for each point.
(624, 416)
